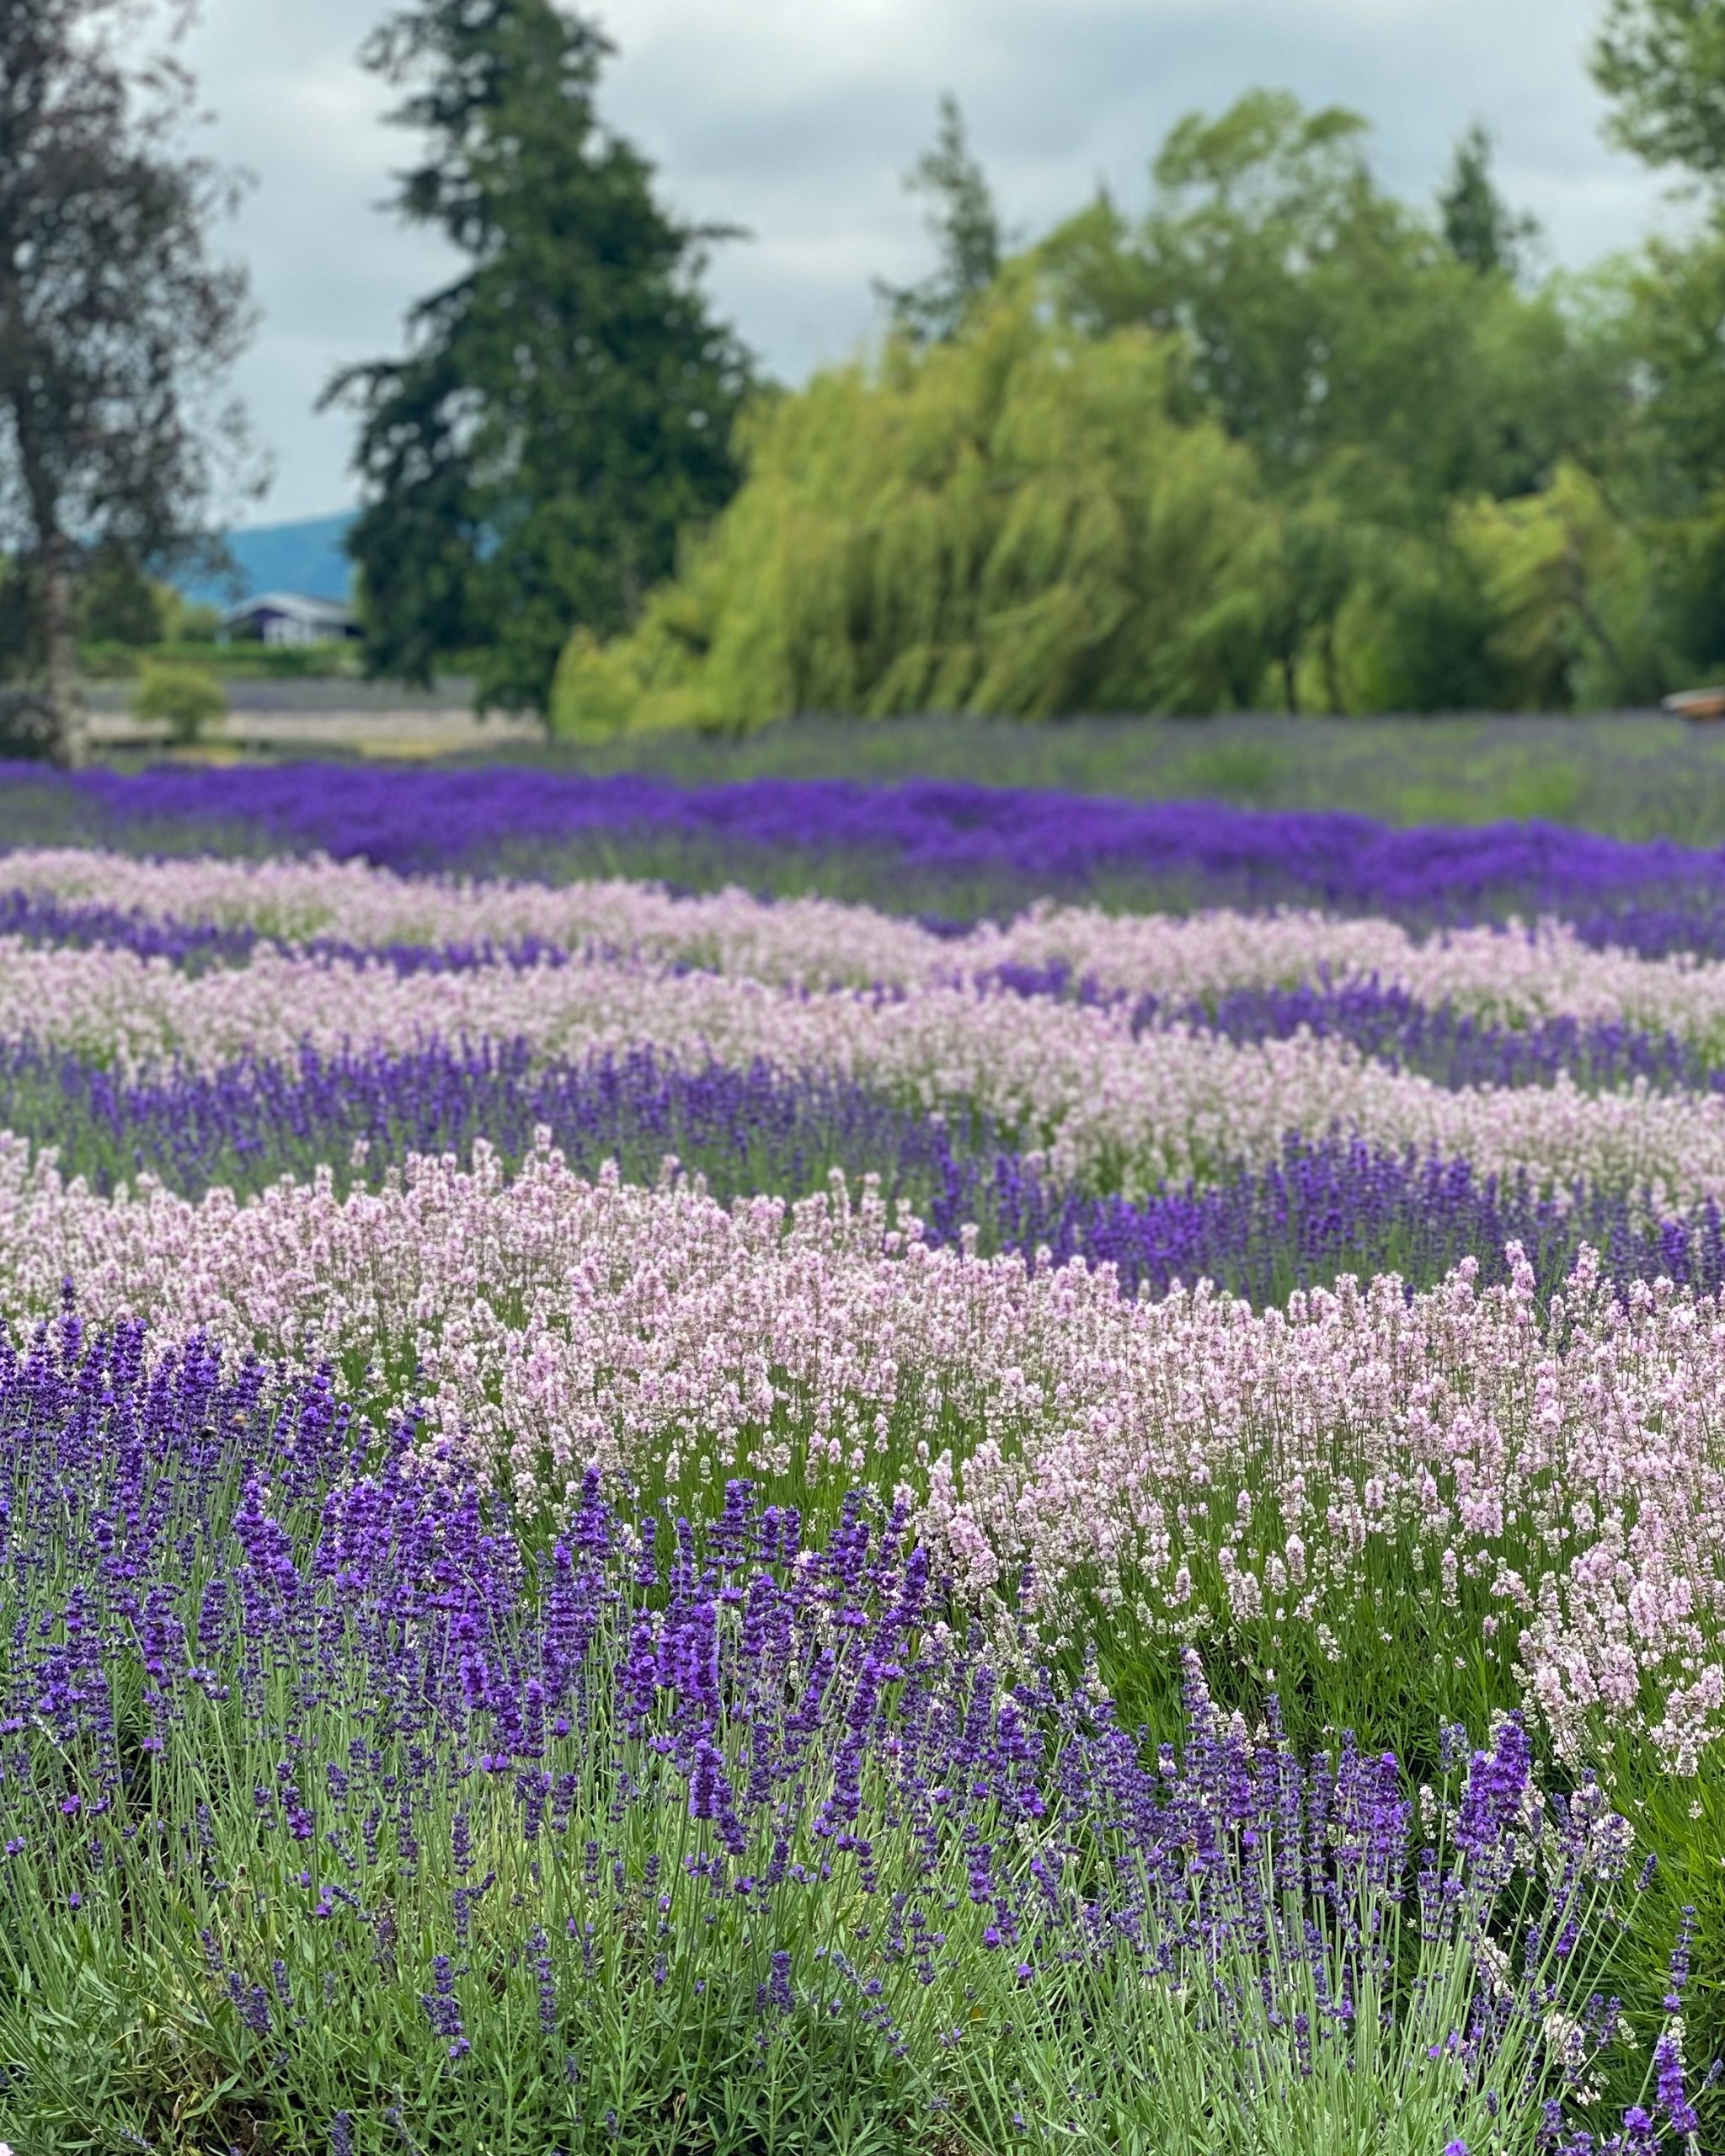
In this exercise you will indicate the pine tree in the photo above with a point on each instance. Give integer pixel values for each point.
(564, 407)
(965, 227)
(1482, 229)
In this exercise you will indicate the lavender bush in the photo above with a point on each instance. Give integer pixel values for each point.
(1326, 1206)
(1454, 1046)
(337, 1814)
(942, 848)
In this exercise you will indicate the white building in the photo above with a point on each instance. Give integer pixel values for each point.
(289, 617)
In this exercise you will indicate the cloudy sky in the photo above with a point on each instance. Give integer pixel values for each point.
(797, 118)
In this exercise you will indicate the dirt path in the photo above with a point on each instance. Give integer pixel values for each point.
(407, 731)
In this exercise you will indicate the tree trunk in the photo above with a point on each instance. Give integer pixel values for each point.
(71, 738)
(1290, 684)
(1333, 677)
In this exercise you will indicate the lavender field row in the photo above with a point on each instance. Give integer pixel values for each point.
(721, 1522)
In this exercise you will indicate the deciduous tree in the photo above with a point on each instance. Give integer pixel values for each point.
(1663, 64)
(117, 326)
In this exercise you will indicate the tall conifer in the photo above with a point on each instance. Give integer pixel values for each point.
(564, 404)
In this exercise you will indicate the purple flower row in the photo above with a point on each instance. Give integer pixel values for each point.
(949, 847)
(1442, 1042)
(269, 1686)
(1326, 1206)
(1452, 1046)
(39, 917)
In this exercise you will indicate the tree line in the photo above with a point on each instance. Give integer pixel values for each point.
(1276, 437)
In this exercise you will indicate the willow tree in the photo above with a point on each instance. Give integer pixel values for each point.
(1011, 522)
(1567, 588)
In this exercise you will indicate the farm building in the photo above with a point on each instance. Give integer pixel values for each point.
(290, 617)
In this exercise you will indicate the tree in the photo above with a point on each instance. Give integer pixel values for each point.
(1327, 324)
(1014, 522)
(1559, 575)
(1664, 63)
(118, 603)
(1376, 374)
(116, 328)
(1482, 229)
(965, 227)
(565, 404)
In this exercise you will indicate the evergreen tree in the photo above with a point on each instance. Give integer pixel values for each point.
(565, 404)
(1482, 229)
(965, 227)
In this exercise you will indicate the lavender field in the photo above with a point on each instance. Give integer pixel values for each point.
(791, 1467)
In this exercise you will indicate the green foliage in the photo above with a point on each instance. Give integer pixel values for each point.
(965, 227)
(1329, 325)
(1664, 63)
(118, 603)
(117, 326)
(1020, 530)
(1482, 229)
(1013, 522)
(185, 700)
(1566, 593)
(185, 621)
(565, 404)
(245, 661)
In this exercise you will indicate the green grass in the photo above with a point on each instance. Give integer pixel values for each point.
(1637, 774)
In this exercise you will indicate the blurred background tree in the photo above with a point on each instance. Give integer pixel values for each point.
(964, 224)
(1278, 438)
(1018, 520)
(1382, 378)
(1479, 225)
(565, 404)
(117, 328)
(1663, 64)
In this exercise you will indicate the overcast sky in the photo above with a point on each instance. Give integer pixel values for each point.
(797, 118)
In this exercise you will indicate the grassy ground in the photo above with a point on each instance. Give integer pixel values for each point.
(1637, 774)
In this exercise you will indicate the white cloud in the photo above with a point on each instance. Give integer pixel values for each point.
(796, 118)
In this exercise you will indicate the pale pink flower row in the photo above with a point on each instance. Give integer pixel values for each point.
(1070, 1083)
(1514, 976)
(1454, 1459)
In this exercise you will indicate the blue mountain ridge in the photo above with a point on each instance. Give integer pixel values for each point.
(304, 556)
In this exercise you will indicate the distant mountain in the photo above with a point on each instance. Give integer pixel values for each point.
(304, 557)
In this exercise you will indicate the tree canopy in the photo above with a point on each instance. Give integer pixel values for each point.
(1482, 229)
(1015, 521)
(1663, 63)
(565, 404)
(117, 326)
(1276, 436)
(1281, 438)
(965, 227)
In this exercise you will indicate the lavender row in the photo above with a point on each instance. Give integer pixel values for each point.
(953, 850)
(398, 1829)
(1456, 1047)
(1452, 1046)
(39, 917)
(1326, 1206)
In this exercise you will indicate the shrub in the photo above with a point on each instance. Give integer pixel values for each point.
(184, 699)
